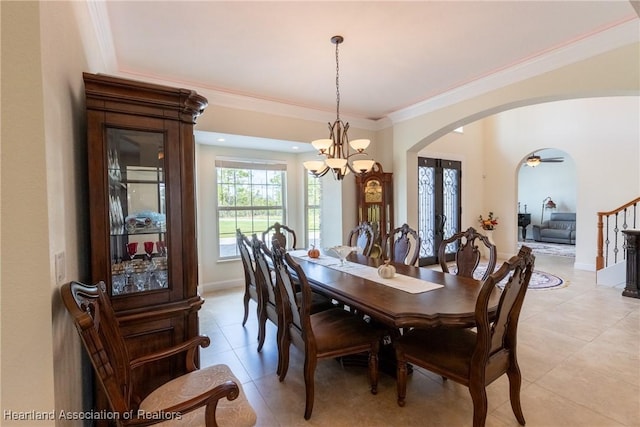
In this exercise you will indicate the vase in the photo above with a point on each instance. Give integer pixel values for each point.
(483, 248)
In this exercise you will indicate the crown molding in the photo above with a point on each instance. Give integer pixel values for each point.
(615, 36)
(102, 27)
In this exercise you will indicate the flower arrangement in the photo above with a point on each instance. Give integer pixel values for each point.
(488, 223)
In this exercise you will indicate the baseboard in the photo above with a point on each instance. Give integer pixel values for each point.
(584, 266)
(222, 286)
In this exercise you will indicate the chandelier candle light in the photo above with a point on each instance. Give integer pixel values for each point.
(337, 148)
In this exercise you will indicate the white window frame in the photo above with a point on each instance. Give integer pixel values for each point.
(227, 247)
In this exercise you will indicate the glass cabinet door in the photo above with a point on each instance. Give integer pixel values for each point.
(137, 211)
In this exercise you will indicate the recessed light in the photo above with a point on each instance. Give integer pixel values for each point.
(295, 147)
(220, 139)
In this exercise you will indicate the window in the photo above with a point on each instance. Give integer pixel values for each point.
(314, 197)
(251, 196)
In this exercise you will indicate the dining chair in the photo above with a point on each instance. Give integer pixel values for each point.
(250, 287)
(275, 231)
(327, 334)
(362, 237)
(402, 245)
(201, 397)
(475, 358)
(269, 305)
(467, 254)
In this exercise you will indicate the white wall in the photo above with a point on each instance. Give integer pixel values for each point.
(602, 137)
(555, 180)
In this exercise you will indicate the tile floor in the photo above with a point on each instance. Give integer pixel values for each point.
(579, 352)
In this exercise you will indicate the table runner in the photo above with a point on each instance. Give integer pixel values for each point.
(399, 281)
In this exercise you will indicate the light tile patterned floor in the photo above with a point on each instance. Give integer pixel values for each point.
(579, 352)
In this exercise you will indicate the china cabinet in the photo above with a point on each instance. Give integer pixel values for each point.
(374, 195)
(141, 160)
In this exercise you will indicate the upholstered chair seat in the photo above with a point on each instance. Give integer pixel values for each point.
(235, 413)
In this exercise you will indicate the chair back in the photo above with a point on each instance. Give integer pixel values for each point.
(275, 232)
(244, 246)
(296, 311)
(97, 325)
(467, 255)
(403, 245)
(363, 237)
(496, 340)
(263, 273)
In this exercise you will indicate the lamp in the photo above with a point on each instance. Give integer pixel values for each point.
(547, 203)
(337, 149)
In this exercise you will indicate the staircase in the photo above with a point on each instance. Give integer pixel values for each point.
(611, 259)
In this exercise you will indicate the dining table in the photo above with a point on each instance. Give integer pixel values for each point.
(414, 297)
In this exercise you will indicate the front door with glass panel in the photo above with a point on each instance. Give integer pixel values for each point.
(438, 205)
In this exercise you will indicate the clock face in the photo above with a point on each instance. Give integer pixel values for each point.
(373, 191)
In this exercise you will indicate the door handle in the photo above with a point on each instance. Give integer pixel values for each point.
(441, 219)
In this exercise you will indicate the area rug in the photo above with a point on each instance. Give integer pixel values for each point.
(555, 249)
(539, 279)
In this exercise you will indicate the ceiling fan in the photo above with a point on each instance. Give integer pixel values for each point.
(534, 160)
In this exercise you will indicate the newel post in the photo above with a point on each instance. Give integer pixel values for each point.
(632, 288)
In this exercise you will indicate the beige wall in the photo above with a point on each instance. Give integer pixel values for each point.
(43, 177)
(26, 279)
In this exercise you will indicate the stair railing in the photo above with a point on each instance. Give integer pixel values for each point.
(611, 241)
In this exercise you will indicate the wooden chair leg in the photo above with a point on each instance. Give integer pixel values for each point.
(262, 328)
(515, 383)
(310, 363)
(246, 308)
(479, 397)
(284, 355)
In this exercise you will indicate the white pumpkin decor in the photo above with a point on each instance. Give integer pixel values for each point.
(386, 271)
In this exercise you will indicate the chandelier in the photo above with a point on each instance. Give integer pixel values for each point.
(337, 149)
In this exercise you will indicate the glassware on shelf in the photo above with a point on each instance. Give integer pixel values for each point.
(141, 280)
(161, 277)
(151, 274)
(118, 282)
(128, 271)
(148, 248)
(342, 252)
(132, 249)
(162, 247)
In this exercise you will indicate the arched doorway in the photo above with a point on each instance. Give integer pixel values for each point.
(547, 187)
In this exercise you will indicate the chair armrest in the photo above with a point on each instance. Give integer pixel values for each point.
(210, 398)
(190, 346)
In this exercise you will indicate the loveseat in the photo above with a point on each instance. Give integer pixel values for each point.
(560, 228)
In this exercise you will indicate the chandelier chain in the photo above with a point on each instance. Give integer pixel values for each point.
(337, 83)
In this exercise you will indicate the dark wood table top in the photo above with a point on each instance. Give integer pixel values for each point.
(451, 305)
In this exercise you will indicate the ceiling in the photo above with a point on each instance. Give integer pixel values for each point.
(396, 55)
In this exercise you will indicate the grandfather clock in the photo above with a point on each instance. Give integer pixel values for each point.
(374, 195)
